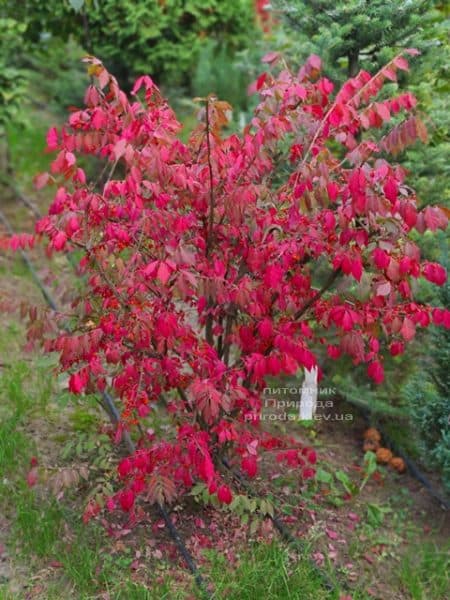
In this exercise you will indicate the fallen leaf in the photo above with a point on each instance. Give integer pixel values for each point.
(331, 534)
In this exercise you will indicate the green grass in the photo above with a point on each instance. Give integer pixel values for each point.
(424, 572)
(15, 402)
(27, 144)
(16, 267)
(37, 524)
(13, 445)
(267, 572)
(43, 529)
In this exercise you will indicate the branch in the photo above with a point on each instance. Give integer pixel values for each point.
(209, 237)
(227, 342)
(326, 286)
(211, 184)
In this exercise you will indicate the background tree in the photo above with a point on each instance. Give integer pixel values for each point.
(358, 33)
(427, 394)
(134, 37)
(12, 82)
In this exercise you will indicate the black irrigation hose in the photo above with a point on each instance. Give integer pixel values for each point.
(284, 532)
(114, 415)
(412, 467)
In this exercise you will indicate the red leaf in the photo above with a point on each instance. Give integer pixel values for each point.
(408, 329)
(401, 63)
(260, 81)
(412, 51)
(103, 78)
(384, 289)
(375, 371)
(224, 494)
(126, 500)
(435, 218)
(32, 477)
(331, 534)
(55, 564)
(250, 465)
(315, 62)
(41, 180)
(125, 467)
(119, 149)
(383, 111)
(396, 348)
(271, 57)
(163, 272)
(78, 382)
(435, 273)
(144, 81)
(389, 73)
(59, 241)
(390, 189)
(52, 139)
(70, 159)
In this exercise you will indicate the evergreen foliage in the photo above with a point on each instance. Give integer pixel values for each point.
(427, 394)
(12, 84)
(357, 33)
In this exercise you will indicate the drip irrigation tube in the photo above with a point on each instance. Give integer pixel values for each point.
(114, 415)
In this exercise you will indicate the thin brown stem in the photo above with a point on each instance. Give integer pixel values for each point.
(227, 334)
(211, 184)
(209, 238)
(326, 286)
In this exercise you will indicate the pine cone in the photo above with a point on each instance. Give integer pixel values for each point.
(372, 434)
(398, 464)
(384, 455)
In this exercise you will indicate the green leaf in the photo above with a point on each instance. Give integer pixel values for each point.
(335, 501)
(197, 489)
(254, 526)
(347, 483)
(323, 476)
(236, 503)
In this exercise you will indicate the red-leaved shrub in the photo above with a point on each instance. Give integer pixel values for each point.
(214, 263)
